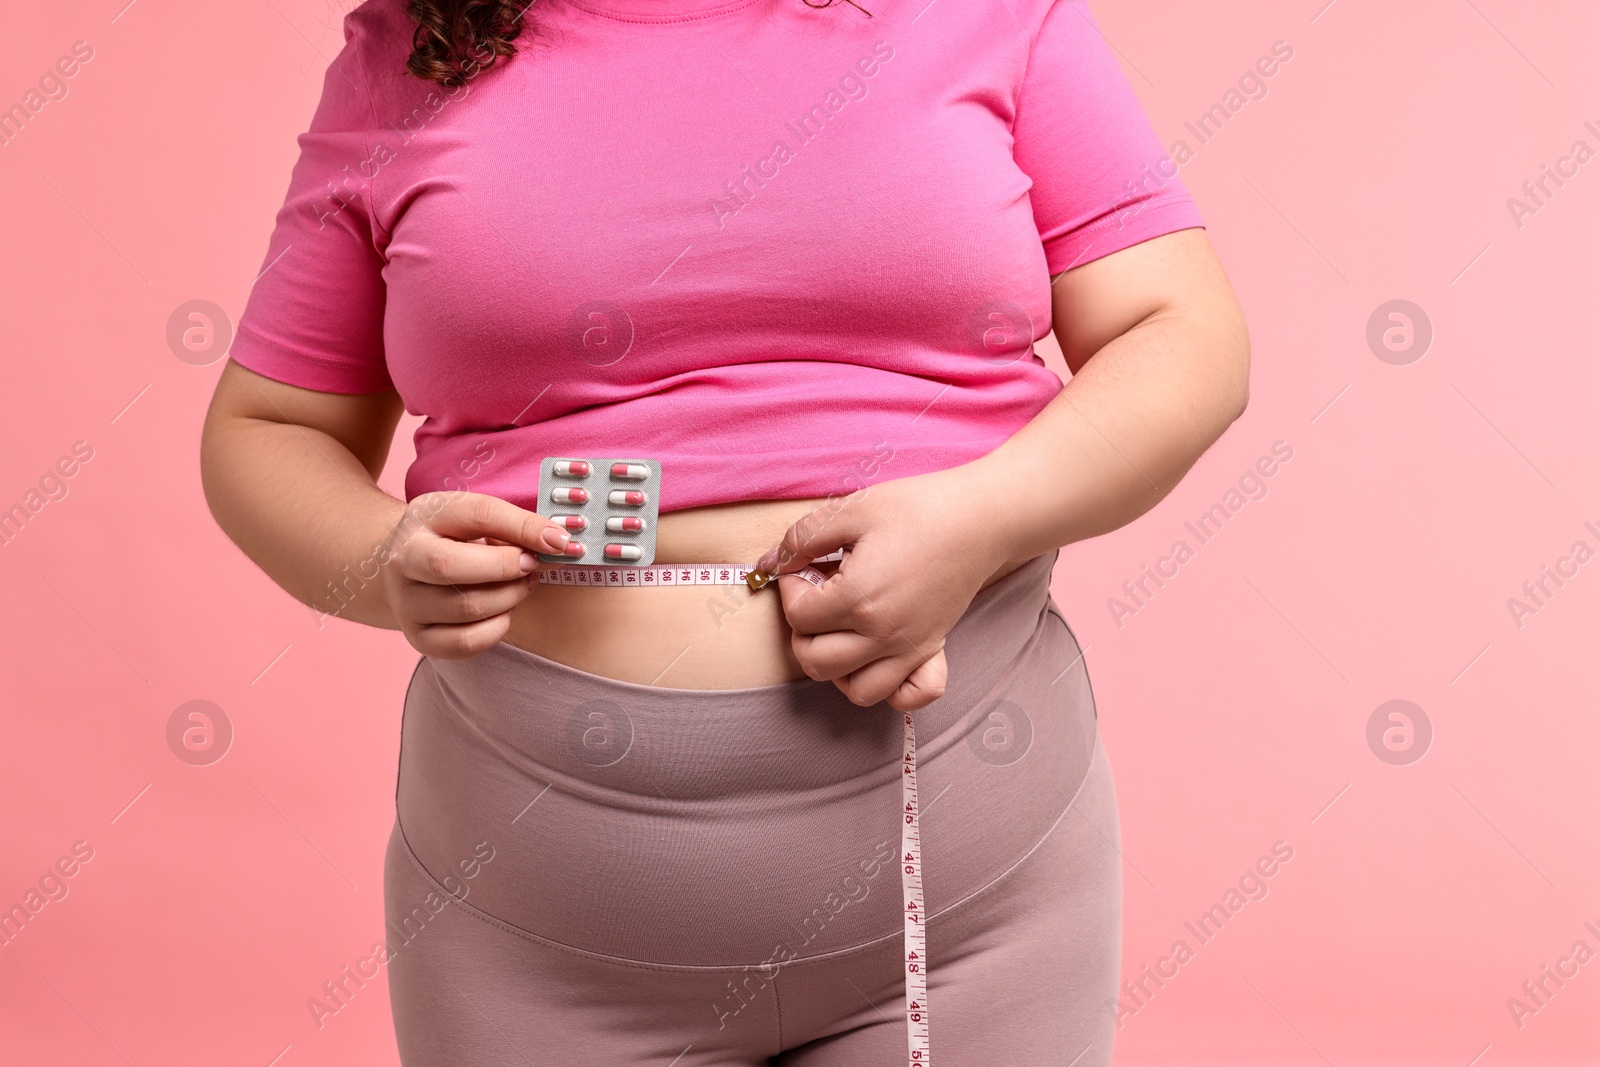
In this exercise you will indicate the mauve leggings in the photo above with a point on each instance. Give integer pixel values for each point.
(586, 871)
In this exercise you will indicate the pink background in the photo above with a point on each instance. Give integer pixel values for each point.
(1234, 703)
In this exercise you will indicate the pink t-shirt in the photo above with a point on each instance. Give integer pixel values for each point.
(787, 251)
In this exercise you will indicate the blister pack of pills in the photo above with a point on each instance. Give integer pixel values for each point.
(609, 506)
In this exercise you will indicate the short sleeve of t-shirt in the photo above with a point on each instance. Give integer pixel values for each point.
(1101, 180)
(314, 317)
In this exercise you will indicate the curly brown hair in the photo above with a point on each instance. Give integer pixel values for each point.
(455, 40)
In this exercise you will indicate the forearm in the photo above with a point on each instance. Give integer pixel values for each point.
(306, 510)
(1120, 434)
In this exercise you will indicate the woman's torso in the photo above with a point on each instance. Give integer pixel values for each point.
(784, 250)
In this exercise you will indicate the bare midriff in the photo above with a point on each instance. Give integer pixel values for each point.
(681, 637)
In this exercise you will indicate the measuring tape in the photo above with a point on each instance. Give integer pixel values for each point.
(916, 939)
(647, 577)
(661, 574)
(916, 933)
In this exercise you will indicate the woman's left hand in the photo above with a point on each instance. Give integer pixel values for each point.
(919, 552)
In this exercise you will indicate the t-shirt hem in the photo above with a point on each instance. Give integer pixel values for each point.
(701, 479)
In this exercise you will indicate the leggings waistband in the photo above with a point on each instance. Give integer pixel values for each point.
(582, 729)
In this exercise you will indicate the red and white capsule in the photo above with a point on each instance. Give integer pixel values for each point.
(572, 468)
(630, 472)
(624, 524)
(624, 552)
(574, 549)
(625, 498)
(574, 495)
(571, 523)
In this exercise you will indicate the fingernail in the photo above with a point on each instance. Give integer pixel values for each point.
(555, 538)
(767, 562)
(527, 561)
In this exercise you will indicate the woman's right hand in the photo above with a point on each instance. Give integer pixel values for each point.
(458, 563)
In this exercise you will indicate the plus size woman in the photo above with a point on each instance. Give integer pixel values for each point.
(800, 254)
